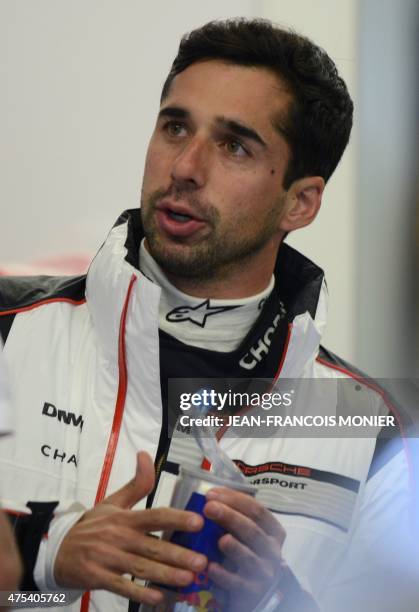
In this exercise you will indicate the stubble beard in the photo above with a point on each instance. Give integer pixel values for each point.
(217, 254)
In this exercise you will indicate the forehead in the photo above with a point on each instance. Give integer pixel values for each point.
(249, 94)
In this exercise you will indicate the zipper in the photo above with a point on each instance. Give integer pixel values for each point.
(117, 420)
(159, 465)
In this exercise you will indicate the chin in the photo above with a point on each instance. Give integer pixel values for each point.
(169, 254)
(184, 261)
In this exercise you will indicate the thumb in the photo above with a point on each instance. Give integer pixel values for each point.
(141, 485)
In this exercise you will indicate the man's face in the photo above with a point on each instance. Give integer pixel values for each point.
(212, 194)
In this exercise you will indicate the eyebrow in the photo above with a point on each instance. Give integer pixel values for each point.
(235, 127)
(239, 129)
(175, 112)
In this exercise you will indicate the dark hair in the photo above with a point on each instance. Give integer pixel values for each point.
(319, 120)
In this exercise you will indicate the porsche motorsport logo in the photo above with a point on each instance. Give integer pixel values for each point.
(196, 314)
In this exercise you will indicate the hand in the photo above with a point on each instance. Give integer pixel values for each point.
(112, 540)
(10, 563)
(253, 548)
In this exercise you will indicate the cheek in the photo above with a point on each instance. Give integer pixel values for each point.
(156, 165)
(151, 163)
(249, 195)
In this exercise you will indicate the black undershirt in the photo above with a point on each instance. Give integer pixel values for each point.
(181, 361)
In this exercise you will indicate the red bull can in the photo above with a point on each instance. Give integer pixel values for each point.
(190, 494)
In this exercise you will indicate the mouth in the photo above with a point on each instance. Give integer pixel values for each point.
(178, 220)
(178, 212)
(178, 216)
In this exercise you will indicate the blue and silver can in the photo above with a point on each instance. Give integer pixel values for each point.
(190, 494)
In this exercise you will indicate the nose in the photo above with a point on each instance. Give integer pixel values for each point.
(191, 163)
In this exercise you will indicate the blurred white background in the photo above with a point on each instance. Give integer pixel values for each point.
(81, 82)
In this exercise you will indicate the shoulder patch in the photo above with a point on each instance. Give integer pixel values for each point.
(19, 293)
(387, 444)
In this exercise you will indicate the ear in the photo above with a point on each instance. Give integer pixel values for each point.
(302, 203)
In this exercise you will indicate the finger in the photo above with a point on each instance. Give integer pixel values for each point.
(229, 582)
(149, 547)
(245, 529)
(166, 519)
(147, 569)
(127, 588)
(141, 485)
(244, 559)
(249, 506)
(173, 554)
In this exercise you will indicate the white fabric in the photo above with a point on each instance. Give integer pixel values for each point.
(387, 578)
(44, 568)
(6, 417)
(67, 356)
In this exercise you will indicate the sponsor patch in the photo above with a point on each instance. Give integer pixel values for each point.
(293, 489)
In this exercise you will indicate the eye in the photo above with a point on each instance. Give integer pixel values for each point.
(174, 128)
(235, 148)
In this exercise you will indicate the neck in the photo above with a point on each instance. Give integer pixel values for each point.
(205, 322)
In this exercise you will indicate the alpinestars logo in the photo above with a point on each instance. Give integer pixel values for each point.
(197, 315)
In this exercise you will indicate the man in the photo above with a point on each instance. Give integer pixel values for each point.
(10, 564)
(252, 123)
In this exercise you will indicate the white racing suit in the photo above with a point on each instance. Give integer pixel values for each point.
(83, 356)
